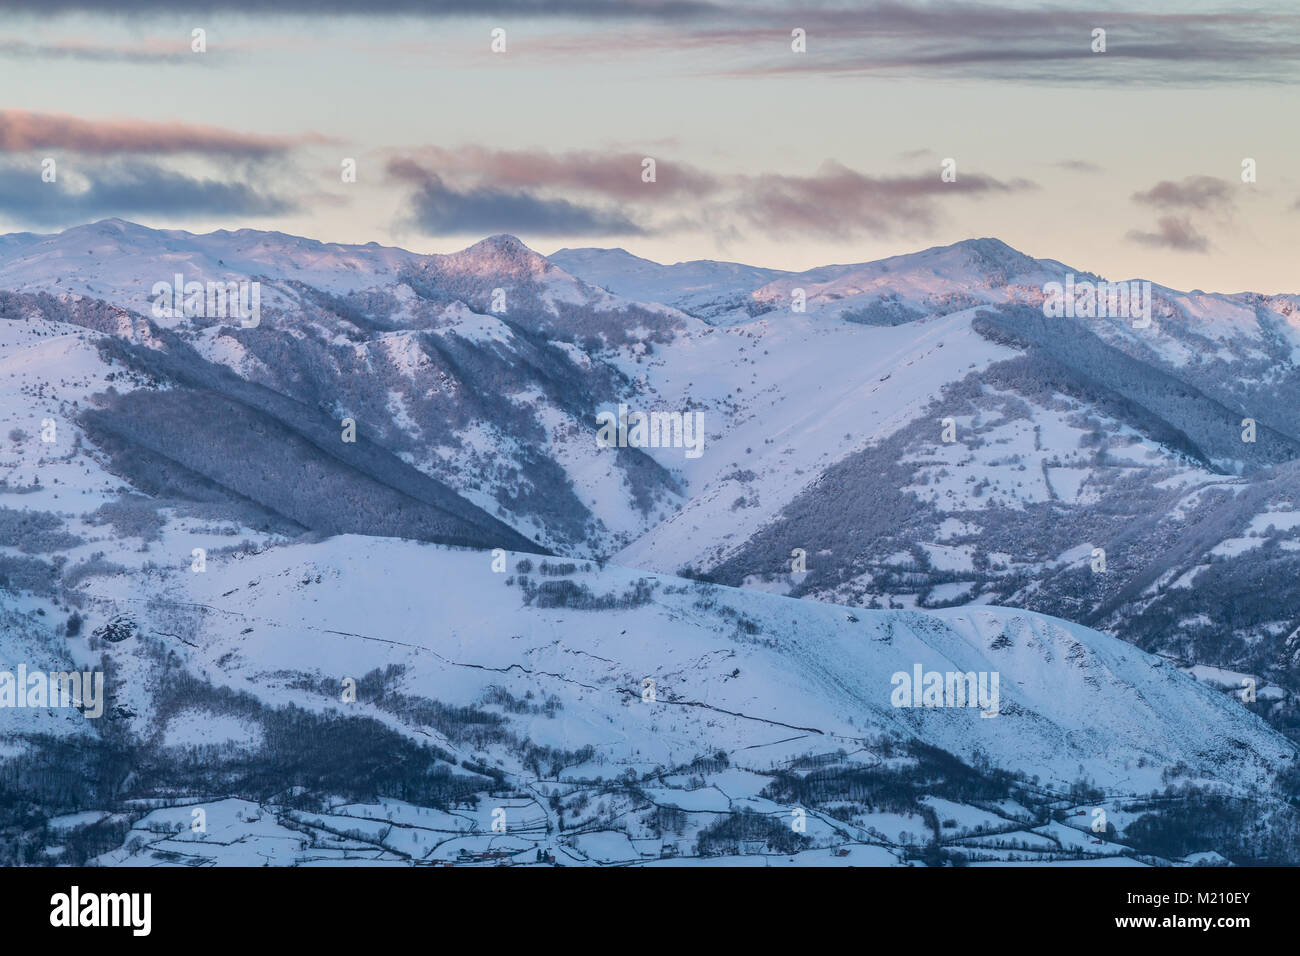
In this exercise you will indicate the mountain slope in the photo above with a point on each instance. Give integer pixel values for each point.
(706, 289)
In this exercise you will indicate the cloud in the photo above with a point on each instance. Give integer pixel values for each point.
(614, 175)
(1078, 166)
(1214, 58)
(1200, 194)
(1176, 233)
(148, 53)
(839, 202)
(21, 131)
(438, 209)
(1013, 43)
(1194, 192)
(587, 9)
(1008, 42)
(476, 189)
(129, 190)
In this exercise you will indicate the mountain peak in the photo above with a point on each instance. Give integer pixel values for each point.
(113, 224)
(994, 255)
(501, 254)
(598, 252)
(503, 240)
(988, 245)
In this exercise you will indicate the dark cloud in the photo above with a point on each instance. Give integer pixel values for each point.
(1174, 232)
(1068, 60)
(129, 190)
(21, 131)
(438, 209)
(1194, 192)
(1016, 43)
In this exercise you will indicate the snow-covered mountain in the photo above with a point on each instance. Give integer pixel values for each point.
(946, 475)
(714, 291)
(890, 291)
(481, 369)
(1142, 480)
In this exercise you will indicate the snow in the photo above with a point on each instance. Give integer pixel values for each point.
(193, 726)
(606, 846)
(827, 671)
(818, 380)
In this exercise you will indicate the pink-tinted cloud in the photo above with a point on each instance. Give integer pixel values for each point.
(21, 131)
(836, 201)
(841, 202)
(1194, 192)
(1173, 232)
(614, 175)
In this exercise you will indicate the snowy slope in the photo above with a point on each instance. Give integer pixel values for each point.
(711, 290)
(821, 674)
(750, 693)
(813, 393)
(932, 282)
(120, 261)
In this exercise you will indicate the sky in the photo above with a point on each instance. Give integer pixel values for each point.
(1126, 162)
